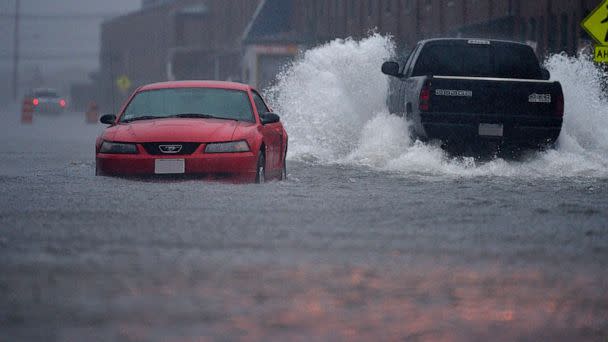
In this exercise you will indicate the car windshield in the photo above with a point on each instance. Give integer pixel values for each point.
(496, 60)
(190, 102)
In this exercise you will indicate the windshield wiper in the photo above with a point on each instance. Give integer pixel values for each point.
(184, 115)
(201, 116)
(145, 117)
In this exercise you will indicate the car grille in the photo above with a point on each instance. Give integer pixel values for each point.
(170, 148)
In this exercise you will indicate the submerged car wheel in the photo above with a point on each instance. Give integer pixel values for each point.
(284, 171)
(260, 176)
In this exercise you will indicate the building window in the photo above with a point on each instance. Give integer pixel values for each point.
(523, 30)
(428, 5)
(574, 33)
(370, 8)
(541, 35)
(337, 7)
(552, 33)
(388, 6)
(583, 33)
(564, 30)
(532, 36)
(319, 8)
(408, 6)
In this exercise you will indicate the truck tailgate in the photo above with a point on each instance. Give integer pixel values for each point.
(504, 97)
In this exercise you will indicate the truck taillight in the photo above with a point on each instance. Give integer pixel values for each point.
(62, 103)
(559, 105)
(425, 97)
(35, 102)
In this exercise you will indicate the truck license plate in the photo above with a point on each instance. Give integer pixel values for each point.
(169, 166)
(490, 130)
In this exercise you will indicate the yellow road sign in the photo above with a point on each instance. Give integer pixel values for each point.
(123, 83)
(596, 24)
(601, 54)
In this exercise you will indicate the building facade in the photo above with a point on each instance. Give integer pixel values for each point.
(552, 25)
(250, 40)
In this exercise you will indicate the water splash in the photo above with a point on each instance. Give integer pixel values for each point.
(586, 112)
(329, 93)
(333, 102)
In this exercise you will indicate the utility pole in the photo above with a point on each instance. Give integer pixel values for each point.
(16, 50)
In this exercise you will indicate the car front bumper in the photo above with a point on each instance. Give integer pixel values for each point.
(48, 107)
(240, 167)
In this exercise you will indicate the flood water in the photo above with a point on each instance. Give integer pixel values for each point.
(373, 236)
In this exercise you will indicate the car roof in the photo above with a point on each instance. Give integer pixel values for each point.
(44, 90)
(196, 84)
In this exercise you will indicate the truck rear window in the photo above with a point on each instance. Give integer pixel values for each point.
(496, 60)
(46, 93)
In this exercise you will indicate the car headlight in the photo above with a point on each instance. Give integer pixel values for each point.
(228, 147)
(118, 148)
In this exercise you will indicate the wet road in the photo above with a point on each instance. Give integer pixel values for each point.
(336, 252)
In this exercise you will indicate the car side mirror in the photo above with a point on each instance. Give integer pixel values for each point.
(545, 74)
(268, 118)
(108, 119)
(391, 69)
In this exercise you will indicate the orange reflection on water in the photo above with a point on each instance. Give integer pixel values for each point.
(363, 303)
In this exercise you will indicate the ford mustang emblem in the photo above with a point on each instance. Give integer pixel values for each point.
(170, 149)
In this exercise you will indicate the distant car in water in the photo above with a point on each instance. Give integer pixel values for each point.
(46, 100)
(202, 128)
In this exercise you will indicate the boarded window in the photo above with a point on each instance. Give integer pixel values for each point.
(564, 31)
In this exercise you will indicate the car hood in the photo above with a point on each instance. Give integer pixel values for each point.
(174, 130)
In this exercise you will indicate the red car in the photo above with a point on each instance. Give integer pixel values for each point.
(204, 128)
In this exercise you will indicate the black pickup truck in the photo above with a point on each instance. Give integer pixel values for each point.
(471, 93)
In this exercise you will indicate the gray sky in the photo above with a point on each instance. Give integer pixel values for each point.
(53, 40)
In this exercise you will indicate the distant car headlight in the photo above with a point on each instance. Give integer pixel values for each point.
(117, 148)
(228, 147)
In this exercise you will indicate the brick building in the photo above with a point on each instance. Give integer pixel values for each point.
(548, 25)
(411, 20)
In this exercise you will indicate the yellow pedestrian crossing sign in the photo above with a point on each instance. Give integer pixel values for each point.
(123, 83)
(596, 24)
(601, 54)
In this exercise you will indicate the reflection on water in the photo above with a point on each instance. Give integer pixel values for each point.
(356, 303)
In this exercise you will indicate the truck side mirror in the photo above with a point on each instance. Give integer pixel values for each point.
(545, 74)
(391, 69)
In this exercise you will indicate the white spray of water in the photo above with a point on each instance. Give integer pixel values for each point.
(327, 96)
(333, 103)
